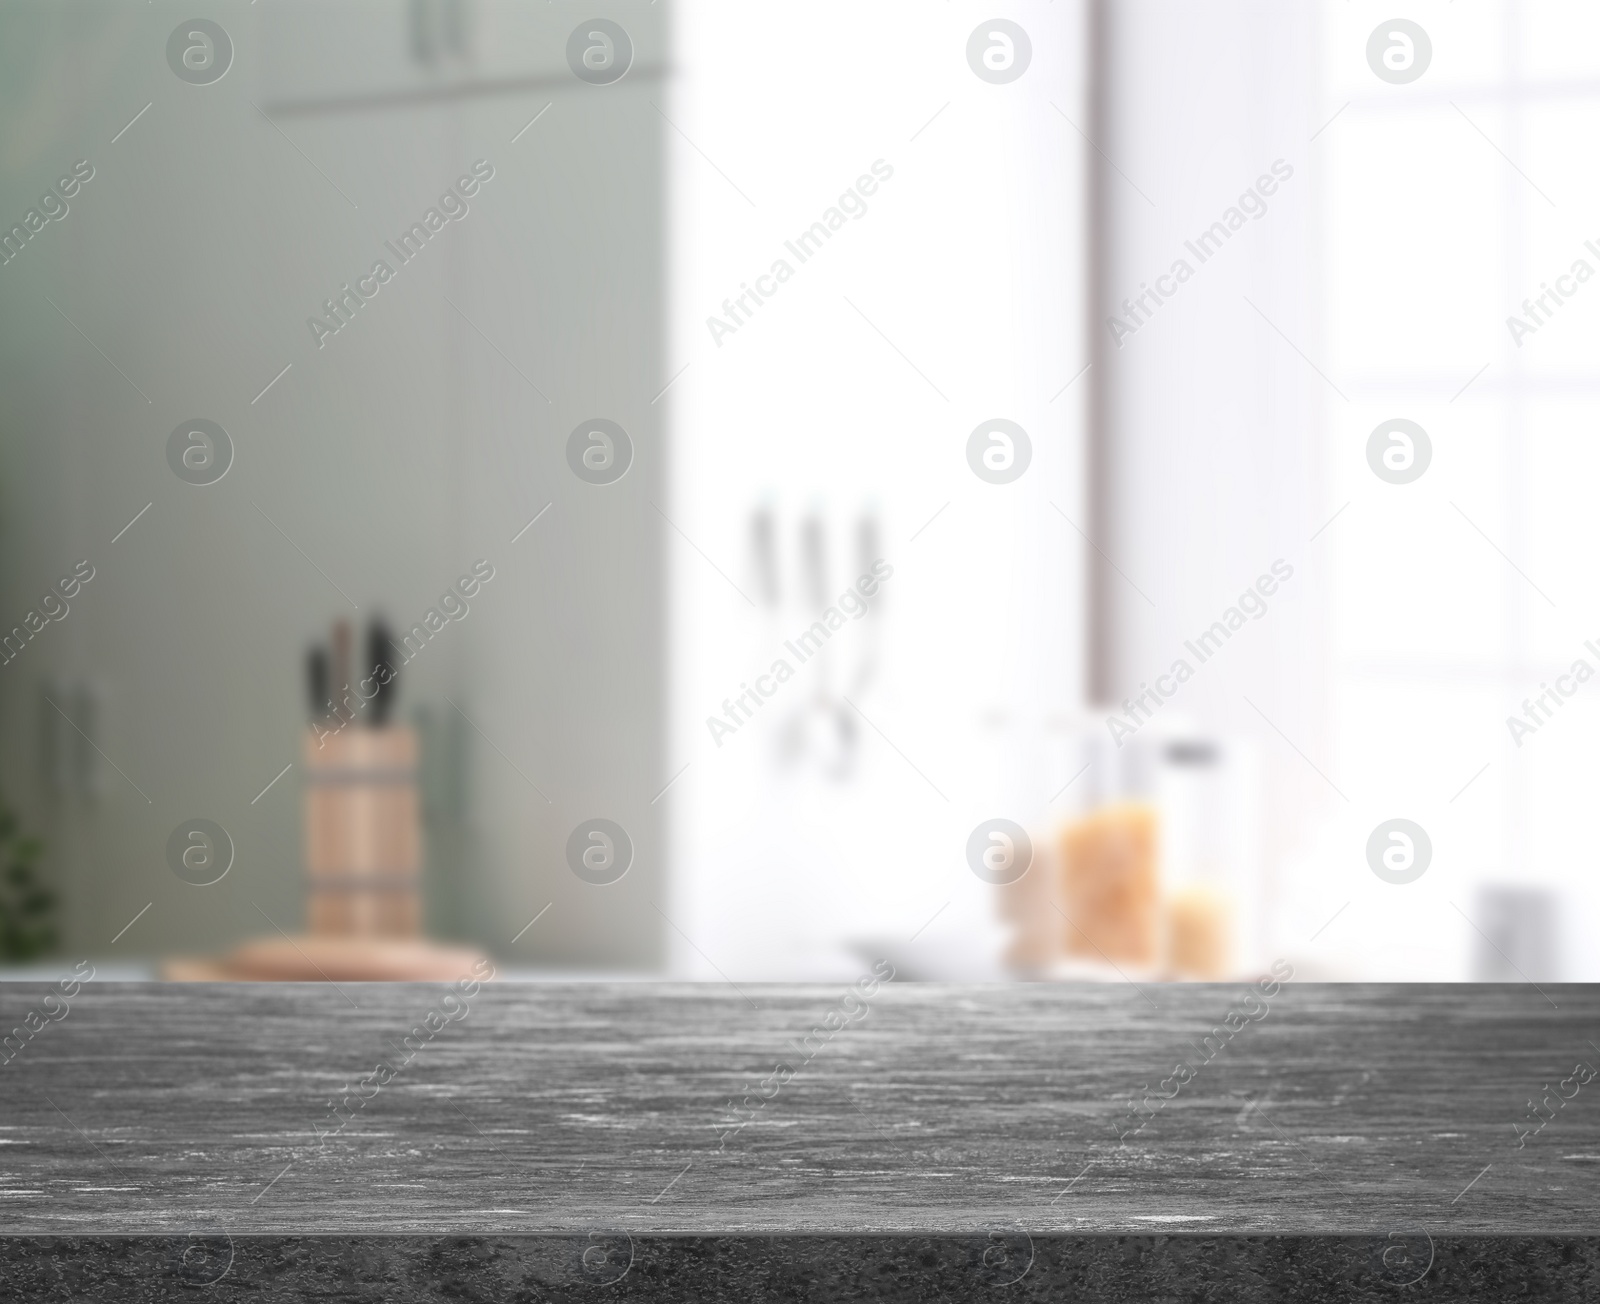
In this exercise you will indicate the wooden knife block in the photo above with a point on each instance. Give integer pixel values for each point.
(363, 833)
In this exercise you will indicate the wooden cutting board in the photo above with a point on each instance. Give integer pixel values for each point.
(335, 959)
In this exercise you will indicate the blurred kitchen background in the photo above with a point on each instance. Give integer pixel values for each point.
(851, 339)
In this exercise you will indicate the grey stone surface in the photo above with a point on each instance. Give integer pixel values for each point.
(577, 1141)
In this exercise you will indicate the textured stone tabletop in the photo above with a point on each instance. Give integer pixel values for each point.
(879, 1140)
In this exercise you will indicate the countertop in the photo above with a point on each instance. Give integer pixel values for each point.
(885, 1140)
